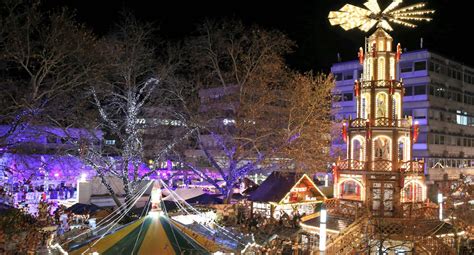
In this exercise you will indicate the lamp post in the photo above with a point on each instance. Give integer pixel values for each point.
(322, 230)
(440, 203)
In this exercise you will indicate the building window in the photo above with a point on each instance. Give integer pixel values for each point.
(338, 76)
(420, 65)
(406, 67)
(438, 139)
(110, 142)
(461, 118)
(51, 139)
(419, 113)
(408, 91)
(348, 76)
(439, 92)
(419, 90)
(348, 96)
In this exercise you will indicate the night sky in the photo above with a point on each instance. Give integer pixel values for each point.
(303, 21)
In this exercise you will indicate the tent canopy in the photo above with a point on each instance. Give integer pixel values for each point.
(184, 194)
(152, 234)
(79, 208)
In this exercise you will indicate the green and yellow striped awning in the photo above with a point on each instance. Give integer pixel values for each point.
(153, 234)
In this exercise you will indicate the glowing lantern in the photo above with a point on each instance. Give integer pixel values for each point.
(416, 131)
(344, 132)
(399, 52)
(357, 88)
(360, 54)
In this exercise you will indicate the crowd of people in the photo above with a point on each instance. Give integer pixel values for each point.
(21, 232)
(27, 232)
(261, 225)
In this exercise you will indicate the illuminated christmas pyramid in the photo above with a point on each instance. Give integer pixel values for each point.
(379, 170)
(380, 196)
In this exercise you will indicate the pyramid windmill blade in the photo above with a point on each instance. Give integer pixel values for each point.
(384, 24)
(349, 17)
(373, 6)
(392, 6)
(368, 25)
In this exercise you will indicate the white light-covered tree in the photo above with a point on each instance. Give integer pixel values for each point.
(133, 80)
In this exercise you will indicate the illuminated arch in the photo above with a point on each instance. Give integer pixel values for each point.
(365, 107)
(382, 145)
(392, 68)
(413, 191)
(370, 75)
(396, 106)
(358, 148)
(381, 105)
(351, 188)
(381, 69)
(381, 44)
(403, 149)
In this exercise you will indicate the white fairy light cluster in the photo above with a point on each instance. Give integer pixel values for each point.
(351, 16)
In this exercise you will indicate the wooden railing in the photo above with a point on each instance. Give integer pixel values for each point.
(412, 166)
(432, 245)
(353, 239)
(349, 240)
(420, 210)
(345, 208)
(381, 165)
(380, 122)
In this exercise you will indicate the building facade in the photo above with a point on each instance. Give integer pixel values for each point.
(439, 96)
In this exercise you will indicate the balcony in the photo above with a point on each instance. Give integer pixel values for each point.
(382, 84)
(380, 122)
(381, 165)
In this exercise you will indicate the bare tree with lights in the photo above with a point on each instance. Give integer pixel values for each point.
(133, 81)
(458, 208)
(251, 112)
(47, 59)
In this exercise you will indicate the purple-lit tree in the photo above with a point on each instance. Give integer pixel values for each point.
(251, 118)
(46, 59)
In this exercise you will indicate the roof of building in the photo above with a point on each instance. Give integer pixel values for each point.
(278, 185)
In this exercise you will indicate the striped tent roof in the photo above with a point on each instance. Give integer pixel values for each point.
(153, 234)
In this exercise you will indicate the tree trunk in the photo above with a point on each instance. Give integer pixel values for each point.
(116, 200)
(228, 196)
(111, 191)
(380, 251)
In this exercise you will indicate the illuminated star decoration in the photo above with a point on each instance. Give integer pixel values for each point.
(350, 16)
